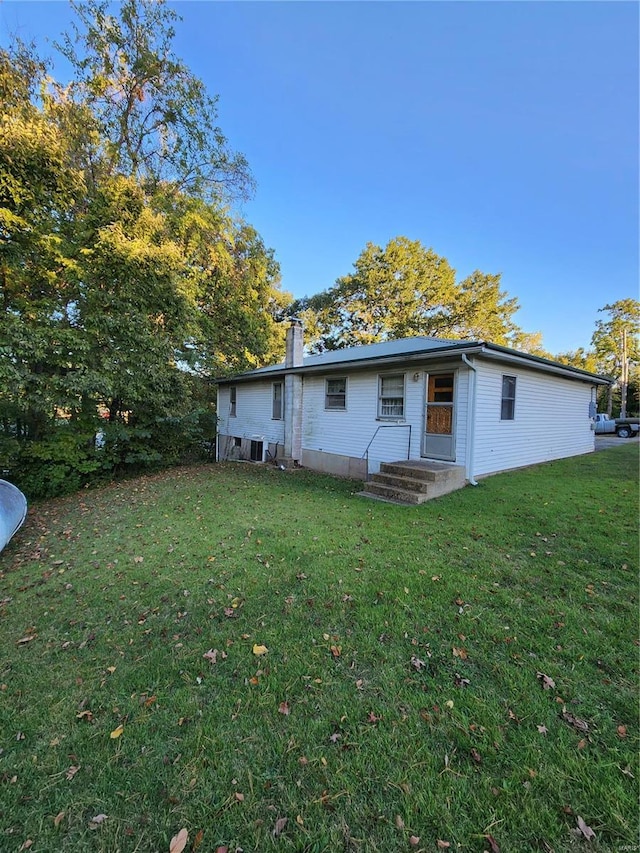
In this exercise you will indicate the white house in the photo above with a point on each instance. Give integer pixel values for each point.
(472, 405)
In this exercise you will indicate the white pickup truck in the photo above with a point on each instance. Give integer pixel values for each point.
(624, 427)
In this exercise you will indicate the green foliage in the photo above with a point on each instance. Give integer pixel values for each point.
(624, 317)
(581, 358)
(406, 290)
(124, 280)
(61, 463)
(156, 121)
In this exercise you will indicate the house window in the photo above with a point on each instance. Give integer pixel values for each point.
(335, 394)
(391, 396)
(508, 403)
(232, 401)
(276, 408)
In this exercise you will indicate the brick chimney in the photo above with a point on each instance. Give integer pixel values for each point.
(294, 345)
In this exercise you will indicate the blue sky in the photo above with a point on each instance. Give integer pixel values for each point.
(502, 134)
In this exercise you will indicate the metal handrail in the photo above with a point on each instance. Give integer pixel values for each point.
(365, 455)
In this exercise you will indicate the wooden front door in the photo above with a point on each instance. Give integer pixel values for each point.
(439, 419)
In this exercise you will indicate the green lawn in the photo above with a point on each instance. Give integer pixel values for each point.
(464, 673)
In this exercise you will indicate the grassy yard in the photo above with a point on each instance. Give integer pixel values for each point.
(270, 662)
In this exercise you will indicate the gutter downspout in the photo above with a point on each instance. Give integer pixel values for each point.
(471, 421)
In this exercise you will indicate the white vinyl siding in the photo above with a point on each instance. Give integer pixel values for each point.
(551, 419)
(388, 440)
(253, 413)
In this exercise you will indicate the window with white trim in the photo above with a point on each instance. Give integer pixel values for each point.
(276, 408)
(232, 401)
(391, 396)
(335, 394)
(508, 401)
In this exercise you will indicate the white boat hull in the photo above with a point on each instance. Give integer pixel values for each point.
(13, 511)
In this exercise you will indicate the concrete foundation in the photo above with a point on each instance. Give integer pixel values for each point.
(334, 463)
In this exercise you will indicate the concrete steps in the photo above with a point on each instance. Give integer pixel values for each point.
(414, 481)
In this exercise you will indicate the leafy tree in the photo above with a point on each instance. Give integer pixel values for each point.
(483, 311)
(124, 281)
(404, 290)
(610, 338)
(529, 342)
(581, 358)
(624, 318)
(155, 120)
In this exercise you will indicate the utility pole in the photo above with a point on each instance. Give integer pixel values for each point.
(624, 376)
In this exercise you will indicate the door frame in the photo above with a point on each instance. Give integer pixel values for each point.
(445, 457)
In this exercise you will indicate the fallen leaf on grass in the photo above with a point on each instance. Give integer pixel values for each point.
(417, 664)
(58, 818)
(283, 708)
(211, 655)
(459, 681)
(578, 724)
(493, 844)
(543, 730)
(197, 841)
(336, 651)
(259, 650)
(116, 732)
(545, 680)
(414, 840)
(399, 822)
(622, 731)
(586, 831)
(476, 756)
(95, 822)
(460, 653)
(85, 715)
(179, 842)
(27, 844)
(71, 772)
(443, 845)
(27, 639)
(279, 826)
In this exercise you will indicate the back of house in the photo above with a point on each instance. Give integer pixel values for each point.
(482, 407)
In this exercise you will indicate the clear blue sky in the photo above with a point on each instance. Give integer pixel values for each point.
(502, 134)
